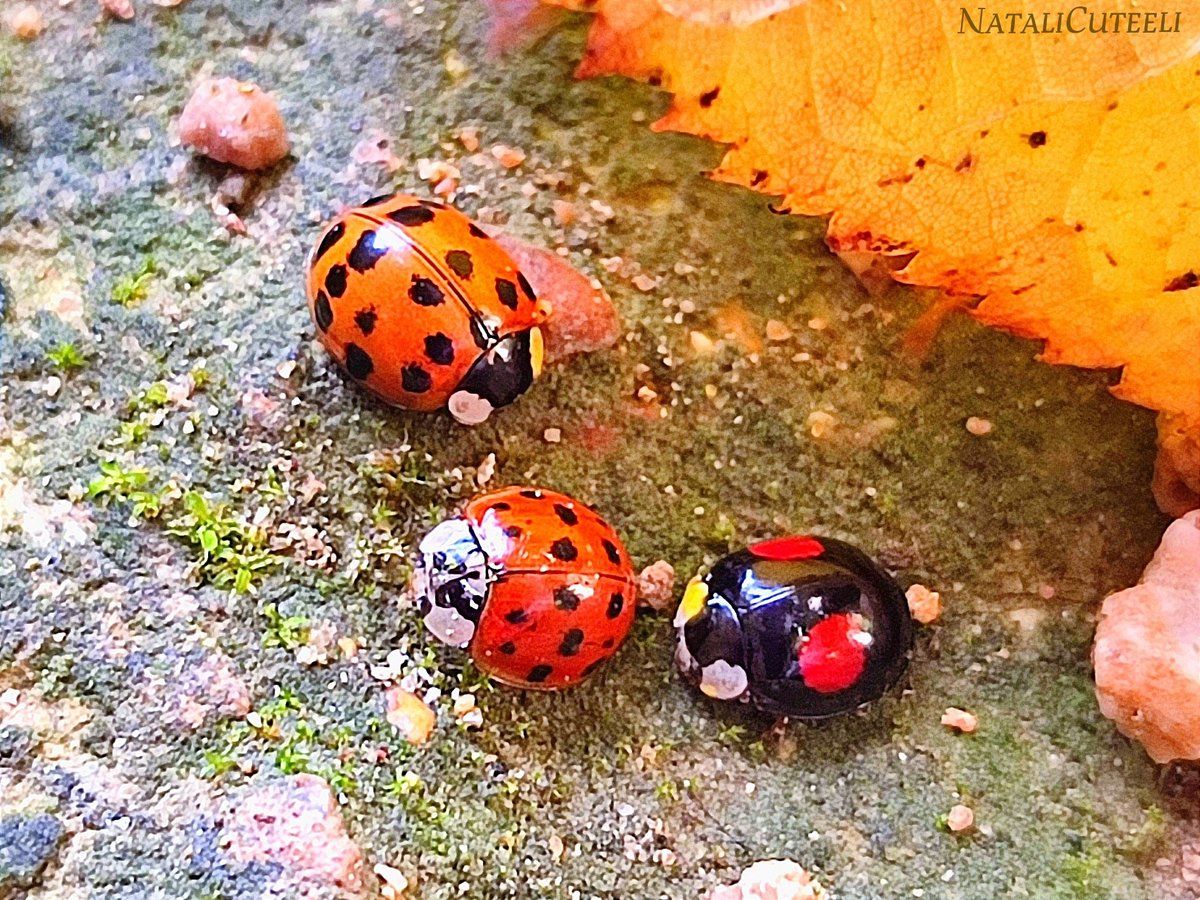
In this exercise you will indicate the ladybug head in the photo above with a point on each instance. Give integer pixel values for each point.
(450, 579)
(498, 377)
(710, 649)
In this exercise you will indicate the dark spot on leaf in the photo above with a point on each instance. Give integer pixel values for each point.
(1037, 139)
(1184, 282)
(707, 98)
(759, 176)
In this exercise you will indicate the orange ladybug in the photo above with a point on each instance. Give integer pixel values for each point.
(535, 584)
(421, 307)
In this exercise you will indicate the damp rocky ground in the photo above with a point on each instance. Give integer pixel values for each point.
(207, 529)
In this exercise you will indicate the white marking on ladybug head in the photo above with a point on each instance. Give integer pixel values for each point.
(450, 578)
(445, 623)
(723, 681)
(468, 408)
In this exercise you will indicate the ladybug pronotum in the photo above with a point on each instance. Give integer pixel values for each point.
(799, 626)
(535, 584)
(425, 310)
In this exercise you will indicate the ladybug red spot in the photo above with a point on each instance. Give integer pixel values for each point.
(832, 657)
(788, 548)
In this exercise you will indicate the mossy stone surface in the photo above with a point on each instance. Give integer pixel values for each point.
(108, 602)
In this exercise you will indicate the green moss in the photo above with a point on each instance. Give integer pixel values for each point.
(135, 287)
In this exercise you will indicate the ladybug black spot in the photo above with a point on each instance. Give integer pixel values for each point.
(379, 198)
(332, 236)
(507, 292)
(566, 599)
(366, 253)
(532, 495)
(358, 362)
(365, 320)
(476, 231)
(335, 280)
(566, 514)
(414, 379)
(540, 673)
(512, 531)
(709, 97)
(608, 643)
(500, 507)
(323, 311)
(563, 549)
(515, 617)
(460, 263)
(508, 648)
(611, 551)
(424, 292)
(526, 286)
(616, 603)
(439, 348)
(432, 204)
(571, 642)
(411, 216)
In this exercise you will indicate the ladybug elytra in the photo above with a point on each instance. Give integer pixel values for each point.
(534, 583)
(424, 309)
(799, 626)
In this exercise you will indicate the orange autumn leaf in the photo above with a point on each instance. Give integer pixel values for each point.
(1046, 177)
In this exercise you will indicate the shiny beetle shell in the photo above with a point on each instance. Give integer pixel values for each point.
(535, 584)
(799, 626)
(422, 308)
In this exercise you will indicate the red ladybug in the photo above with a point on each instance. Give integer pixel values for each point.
(799, 626)
(421, 307)
(535, 584)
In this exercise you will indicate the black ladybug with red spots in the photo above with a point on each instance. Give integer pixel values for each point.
(799, 626)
